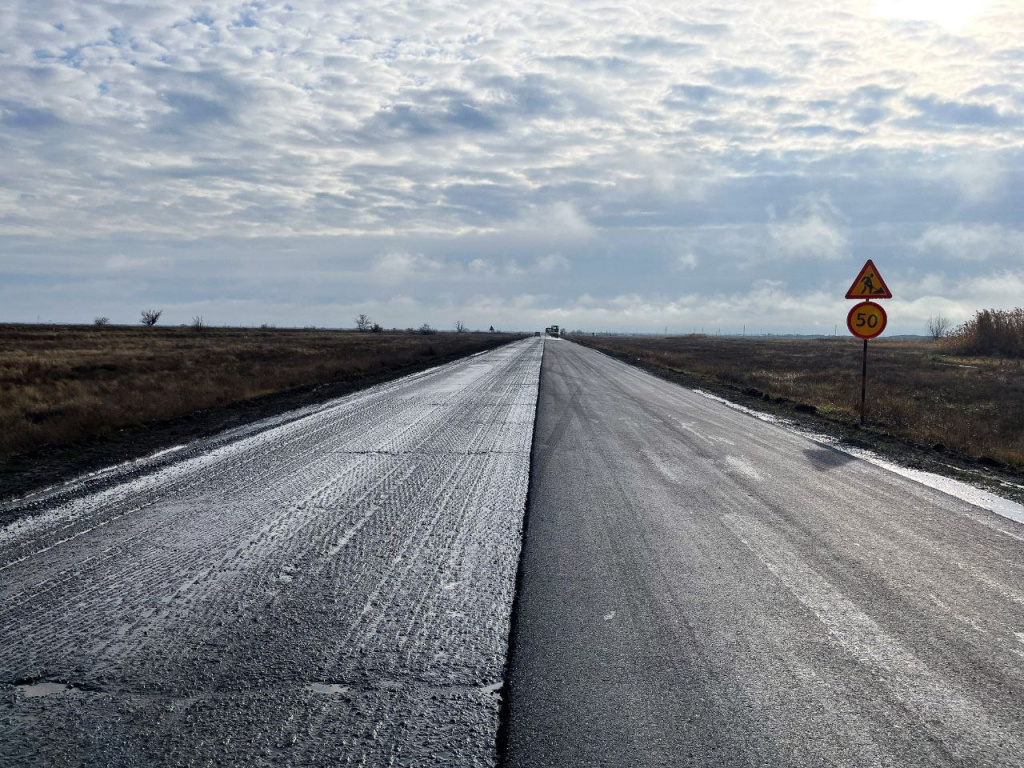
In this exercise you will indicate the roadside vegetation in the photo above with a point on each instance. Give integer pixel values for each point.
(949, 396)
(62, 384)
(991, 332)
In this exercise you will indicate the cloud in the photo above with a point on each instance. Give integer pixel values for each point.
(512, 158)
(972, 243)
(696, 98)
(558, 221)
(24, 118)
(397, 265)
(736, 77)
(980, 176)
(938, 114)
(684, 262)
(554, 262)
(658, 45)
(814, 229)
(432, 115)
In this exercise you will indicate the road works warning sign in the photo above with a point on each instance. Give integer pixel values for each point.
(869, 284)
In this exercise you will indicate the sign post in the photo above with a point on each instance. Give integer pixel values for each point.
(867, 320)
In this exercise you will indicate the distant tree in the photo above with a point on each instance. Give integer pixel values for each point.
(150, 316)
(377, 328)
(198, 325)
(938, 326)
(460, 327)
(492, 329)
(364, 323)
(426, 330)
(101, 320)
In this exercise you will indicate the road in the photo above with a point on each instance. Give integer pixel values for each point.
(700, 587)
(330, 587)
(336, 585)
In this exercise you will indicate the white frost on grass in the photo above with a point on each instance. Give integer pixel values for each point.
(956, 488)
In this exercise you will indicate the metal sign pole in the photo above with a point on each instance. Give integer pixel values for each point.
(867, 320)
(864, 383)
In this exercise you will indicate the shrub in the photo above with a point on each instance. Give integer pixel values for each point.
(150, 316)
(992, 332)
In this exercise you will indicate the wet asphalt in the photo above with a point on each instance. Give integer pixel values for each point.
(700, 587)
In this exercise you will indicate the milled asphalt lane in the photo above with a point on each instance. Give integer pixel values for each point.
(334, 587)
(699, 587)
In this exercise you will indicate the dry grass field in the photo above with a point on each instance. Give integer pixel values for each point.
(919, 391)
(61, 384)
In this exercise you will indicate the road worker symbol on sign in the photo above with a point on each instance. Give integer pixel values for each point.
(869, 284)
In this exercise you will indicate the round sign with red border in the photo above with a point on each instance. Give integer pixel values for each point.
(866, 320)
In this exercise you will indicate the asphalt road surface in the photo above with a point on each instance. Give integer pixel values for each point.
(334, 586)
(331, 587)
(699, 587)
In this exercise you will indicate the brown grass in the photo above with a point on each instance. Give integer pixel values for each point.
(60, 384)
(917, 390)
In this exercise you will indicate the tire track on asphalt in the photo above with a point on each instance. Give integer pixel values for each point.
(940, 710)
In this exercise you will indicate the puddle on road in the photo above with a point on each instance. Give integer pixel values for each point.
(35, 690)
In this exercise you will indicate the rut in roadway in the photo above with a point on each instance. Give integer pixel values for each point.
(699, 587)
(333, 589)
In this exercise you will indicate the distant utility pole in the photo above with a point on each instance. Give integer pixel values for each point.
(744, 329)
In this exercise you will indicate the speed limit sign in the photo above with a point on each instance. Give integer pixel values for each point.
(866, 320)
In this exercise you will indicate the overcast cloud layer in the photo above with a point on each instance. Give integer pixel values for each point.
(600, 165)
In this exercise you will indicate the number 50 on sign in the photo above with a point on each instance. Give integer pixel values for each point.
(866, 320)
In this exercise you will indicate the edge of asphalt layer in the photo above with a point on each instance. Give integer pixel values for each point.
(501, 739)
(1002, 482)
(52, 467)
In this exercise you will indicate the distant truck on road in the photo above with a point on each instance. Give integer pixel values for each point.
(553, 331)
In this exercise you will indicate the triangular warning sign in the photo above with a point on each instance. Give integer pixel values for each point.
(869, 284)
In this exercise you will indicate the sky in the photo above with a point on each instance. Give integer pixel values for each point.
(635, 166)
